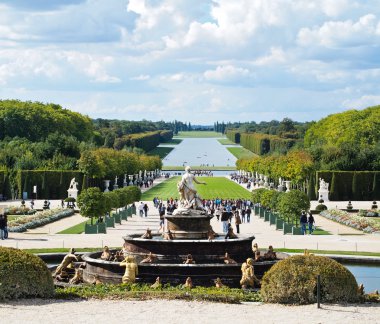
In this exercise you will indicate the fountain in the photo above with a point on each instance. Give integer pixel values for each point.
(188, 230)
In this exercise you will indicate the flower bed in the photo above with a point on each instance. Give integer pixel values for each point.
(361, 223)
(21, 224)
(20, 211)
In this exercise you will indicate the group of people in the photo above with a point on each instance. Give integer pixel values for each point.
(307, 219)
(143, 209)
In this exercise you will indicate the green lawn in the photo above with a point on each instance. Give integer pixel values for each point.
(226, 141)
(199, 134)
(76, 229)
(241, 152)
(162, 152)
(216, 187)
(173, 141)
(319, 231)
(182, 168)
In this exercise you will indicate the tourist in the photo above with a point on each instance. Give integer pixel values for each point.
(225, 220)
(248, 212)
(141, 209)
(243, 212)
(146, 208)
(62, 203)
(311, 222)
(32, 204)
(303, 221)
(6, 226)
(2, 226)
(237, 222)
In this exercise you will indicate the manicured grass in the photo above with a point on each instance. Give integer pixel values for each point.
(241, 152)
(226, 141)
(161, 151)
(173, 141)
(216, 187)
(144, 292)
(212, 168)
(199, 134)
(374, 254)
(76, 229)
(13, 217)
(319, 231)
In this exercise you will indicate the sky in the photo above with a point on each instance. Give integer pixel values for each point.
(196, 61)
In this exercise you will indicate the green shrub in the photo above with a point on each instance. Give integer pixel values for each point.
(294, 281)
(23, 275)
(321, 207)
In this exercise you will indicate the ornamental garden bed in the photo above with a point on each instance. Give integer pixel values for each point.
(23, 223)
(361, 223)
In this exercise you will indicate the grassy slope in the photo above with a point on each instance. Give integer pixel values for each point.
(240, 152)
(226, 141)
(76, 229)
(216, 187)
(173, 141)
(199, 134)
(162, 152)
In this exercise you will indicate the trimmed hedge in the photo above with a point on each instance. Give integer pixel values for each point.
(263, 143)
(23, 275)
(351, 185)
(5, 188)
(294, 281)
(146, 141)
(52, 184)
(233, 135)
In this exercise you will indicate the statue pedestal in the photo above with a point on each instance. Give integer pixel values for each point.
(188, 224)
(72, 193)
(323, 194)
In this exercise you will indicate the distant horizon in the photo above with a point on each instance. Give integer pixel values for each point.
(194, 61)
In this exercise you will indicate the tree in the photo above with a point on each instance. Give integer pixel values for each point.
(291, 204)
(91, 203)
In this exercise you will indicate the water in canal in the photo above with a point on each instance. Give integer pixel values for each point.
(367, 274)
(200, 151)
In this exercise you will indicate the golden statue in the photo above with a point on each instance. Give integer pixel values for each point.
(218, 283)
(97, 280)
(78, 277)
(149, 259)
(189, 259)
(67, 262)
(147, 235)
(255, 248)
(188, 284)
(168, 235)
(106, 254)
(248, 277)
(270, 255)
(230, 234)
(131, 270)
(361, 289)
(157, 283)
(228, 260)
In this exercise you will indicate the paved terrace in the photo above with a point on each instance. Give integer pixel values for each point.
(343, 238)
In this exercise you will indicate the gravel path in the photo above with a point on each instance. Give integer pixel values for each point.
(163, 311)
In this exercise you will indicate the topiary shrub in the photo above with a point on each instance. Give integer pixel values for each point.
(320, 207)
(294, 281)
(23, 275)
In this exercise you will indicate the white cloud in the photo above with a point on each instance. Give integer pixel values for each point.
(141, 77)
(362, 102)
(342, 33)
(225, 73)
(276, 55)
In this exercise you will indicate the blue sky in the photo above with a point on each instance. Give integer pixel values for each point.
(197, 61)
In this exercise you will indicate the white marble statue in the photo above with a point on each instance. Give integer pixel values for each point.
(323, 191)
(323, 185)
(188, 194)
(73, 184)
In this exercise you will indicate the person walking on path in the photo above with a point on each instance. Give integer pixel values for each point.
(2, 226)
(146, 208)
(248, 214)
(311, 222)
(141, 209)
(237, 222)
(225, 220)
(303, 221)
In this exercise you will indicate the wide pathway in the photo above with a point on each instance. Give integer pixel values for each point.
(264, 233)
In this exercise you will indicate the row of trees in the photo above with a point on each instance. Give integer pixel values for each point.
(295, 165)
(288, 204)
(105, 163)
(95, 203)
